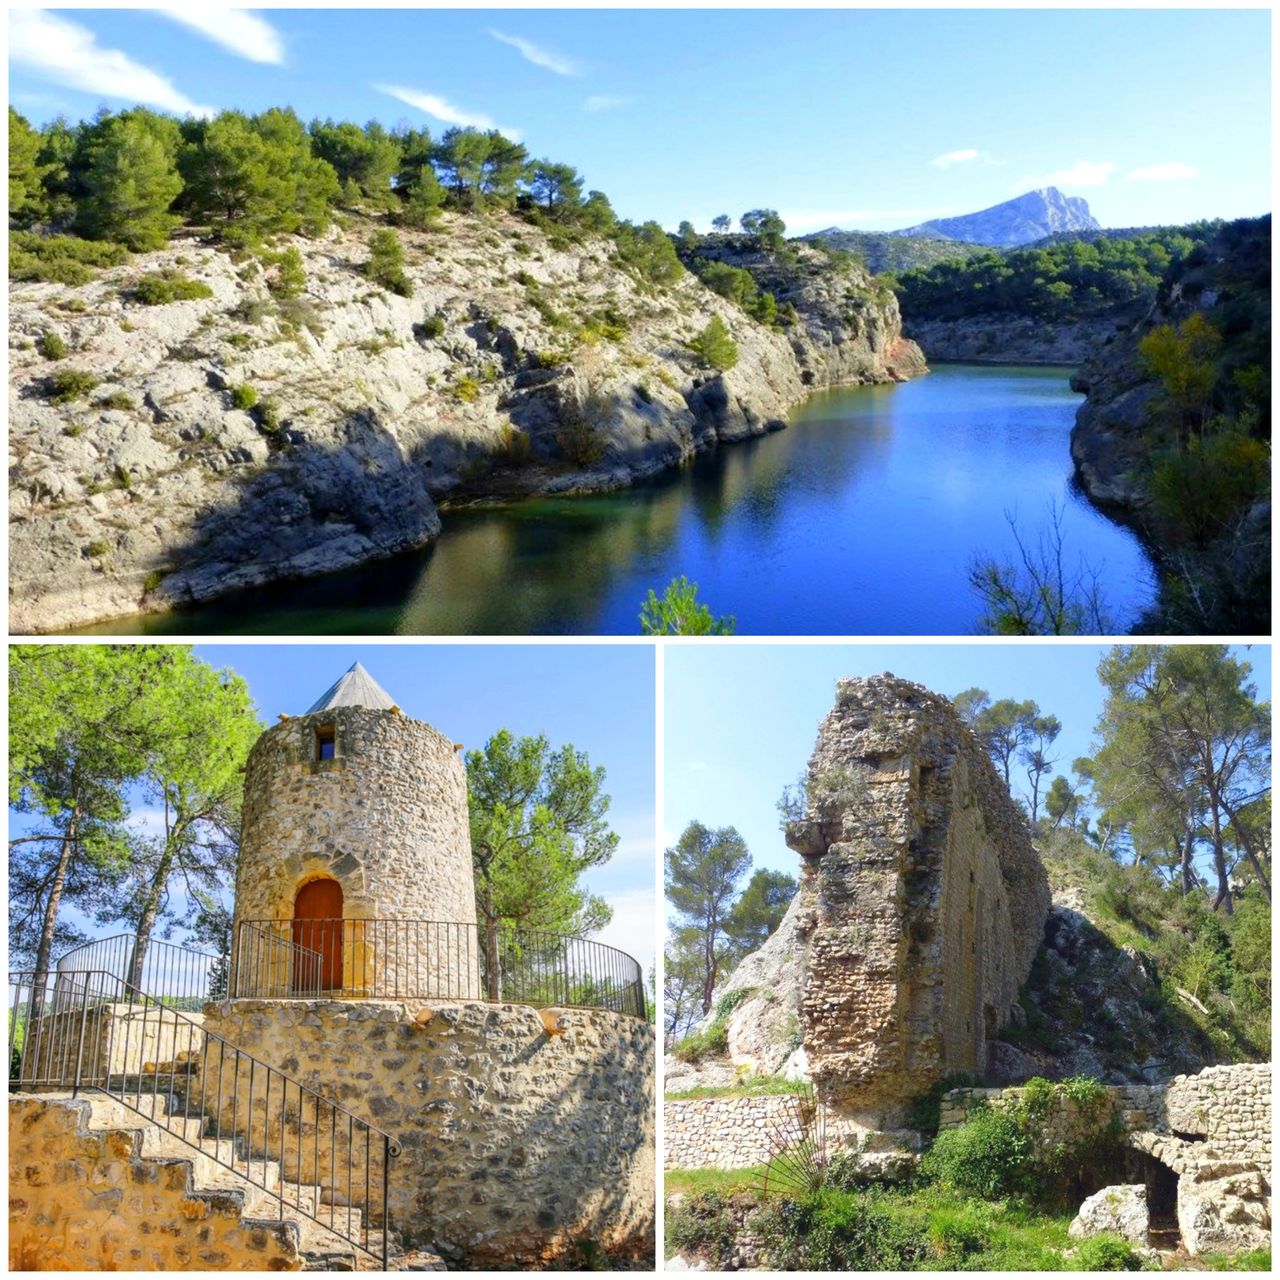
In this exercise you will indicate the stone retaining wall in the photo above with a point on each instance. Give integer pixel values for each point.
(80, 1201)
(108, 1039)
(725, 1133)
(515, 1142)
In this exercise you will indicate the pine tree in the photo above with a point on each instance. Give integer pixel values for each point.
(27, 201)
(132, 181)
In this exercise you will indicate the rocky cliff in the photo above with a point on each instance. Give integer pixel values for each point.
(230, 440)
(1122, 433)
(1009, 339)
(1022, 220)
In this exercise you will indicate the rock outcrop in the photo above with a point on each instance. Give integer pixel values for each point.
(520, 364)
(923, 901)
(1120, 1210)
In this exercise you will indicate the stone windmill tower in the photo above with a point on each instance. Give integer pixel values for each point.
(355, 875)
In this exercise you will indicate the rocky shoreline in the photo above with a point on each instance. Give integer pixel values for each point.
(1011, 340)
(519, 366)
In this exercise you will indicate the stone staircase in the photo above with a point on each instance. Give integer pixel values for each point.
(164, 1125)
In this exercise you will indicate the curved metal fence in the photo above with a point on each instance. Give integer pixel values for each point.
(179, 977)
(432, 960)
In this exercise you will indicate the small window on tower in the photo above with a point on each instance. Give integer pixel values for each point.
(324, 741)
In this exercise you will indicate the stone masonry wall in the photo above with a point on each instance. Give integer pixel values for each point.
(924, 901)
(108, 1039)
(387, 818)
(83, 1201)
(726, 1133)
(515, 1142)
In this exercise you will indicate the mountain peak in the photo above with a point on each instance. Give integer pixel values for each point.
(1026, 218)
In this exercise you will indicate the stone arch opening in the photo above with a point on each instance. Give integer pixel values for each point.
(1161, 1183)
(317, 928)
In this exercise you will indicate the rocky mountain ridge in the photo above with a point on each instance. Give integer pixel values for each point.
(1022, 220)
(230, 440)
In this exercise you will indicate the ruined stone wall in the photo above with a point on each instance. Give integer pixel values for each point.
(515, 1142)
(727, 1133)
(84, 1201)
(923, 900)
(1062, 1121)
(1228, 1106)
(387, 818)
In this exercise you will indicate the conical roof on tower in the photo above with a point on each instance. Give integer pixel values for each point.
(354, 688)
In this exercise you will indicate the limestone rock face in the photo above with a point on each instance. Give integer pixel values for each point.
(764, 1029)
(922, 900)
(1121, 1210)
(1224, 1211)
(518, 366)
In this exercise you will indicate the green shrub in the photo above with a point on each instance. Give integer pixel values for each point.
(154, 579)
(702, 1222)
(291, 277)
(240, 341)
(1200, 493)
(715, 347)
(269, 417)
(60, 259)
(386, 263)
(513, 446)
(1106, 1253)
(678, 612)
(704, 1044)
(51, 346)
(987, 1156)
(244, 396)
(97, 549)
(466, 388)
(732, 999)
(169, 286)
(432, 327)
(70, 384)
(116, 400)
(841, 1231)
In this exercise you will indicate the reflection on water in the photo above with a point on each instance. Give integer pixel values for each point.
(860, 519)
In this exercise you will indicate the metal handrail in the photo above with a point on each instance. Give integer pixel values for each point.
(181, 977)
(396, 959)
(65, 1036)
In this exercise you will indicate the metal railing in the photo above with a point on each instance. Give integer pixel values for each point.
(432, 959)
(179, 977)
(92, 1030)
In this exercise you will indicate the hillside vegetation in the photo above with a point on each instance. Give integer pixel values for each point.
(244, 348)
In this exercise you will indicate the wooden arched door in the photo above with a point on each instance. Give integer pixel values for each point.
(317, 926)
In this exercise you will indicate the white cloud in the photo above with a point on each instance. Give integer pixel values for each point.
(603, 102)
(540, 56)
(1175, 171)
(632, 928)
(1084, 173)
(966, 156)
(69, 54)
(242, 32)
(433, 105)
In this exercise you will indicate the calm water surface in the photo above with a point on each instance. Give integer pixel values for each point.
(860, 519)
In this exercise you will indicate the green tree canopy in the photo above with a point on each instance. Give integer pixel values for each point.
(539, 822)
(132, 181)
(759, 910)
(702, 875)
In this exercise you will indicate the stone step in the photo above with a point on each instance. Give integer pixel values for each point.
(218, 1166)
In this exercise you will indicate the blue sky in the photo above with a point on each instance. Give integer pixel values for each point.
(873, 119)
(598, 697)
(741, 721)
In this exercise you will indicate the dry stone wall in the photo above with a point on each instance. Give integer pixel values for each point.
(85, 1201)
(514, 1142)
(106, 1039)
(923, 900)
(727, 1133)
(387, 818)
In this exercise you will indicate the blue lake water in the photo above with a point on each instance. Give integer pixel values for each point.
(862, 518)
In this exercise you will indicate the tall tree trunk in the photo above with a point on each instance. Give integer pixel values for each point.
(1186, 870)
(147, 916)
(1246, 843)
(1223, 899)
(49, 926)
(709, 963)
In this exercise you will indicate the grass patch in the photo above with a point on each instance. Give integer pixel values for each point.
(754, 1087)
(724, 1181)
